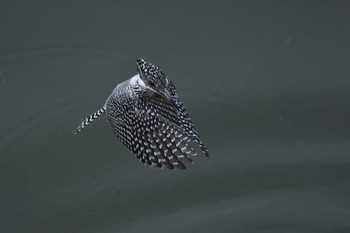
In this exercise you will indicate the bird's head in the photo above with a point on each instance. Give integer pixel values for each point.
(154, 78)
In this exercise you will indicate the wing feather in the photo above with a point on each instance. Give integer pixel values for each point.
(155, 140)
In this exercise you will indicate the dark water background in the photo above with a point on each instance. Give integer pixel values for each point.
(266, 83)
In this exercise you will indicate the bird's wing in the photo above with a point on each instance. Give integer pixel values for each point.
(155, 141)
(177, 115)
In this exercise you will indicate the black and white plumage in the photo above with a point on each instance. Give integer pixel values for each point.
(148, 117)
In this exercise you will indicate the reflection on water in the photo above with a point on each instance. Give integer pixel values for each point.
(275, 122)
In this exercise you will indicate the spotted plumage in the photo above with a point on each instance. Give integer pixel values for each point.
(148, 117)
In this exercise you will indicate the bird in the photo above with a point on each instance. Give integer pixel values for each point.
(148, 117)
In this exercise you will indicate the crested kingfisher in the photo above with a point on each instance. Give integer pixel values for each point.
(147, 116)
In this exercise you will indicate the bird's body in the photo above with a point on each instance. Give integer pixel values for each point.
(147, 116)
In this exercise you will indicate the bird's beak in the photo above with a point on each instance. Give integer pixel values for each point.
(167, 96)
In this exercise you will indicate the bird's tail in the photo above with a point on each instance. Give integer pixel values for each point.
(89, 119)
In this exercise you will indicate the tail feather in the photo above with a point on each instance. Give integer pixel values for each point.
(89, 119)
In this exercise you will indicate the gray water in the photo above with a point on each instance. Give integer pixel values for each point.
(265, 82)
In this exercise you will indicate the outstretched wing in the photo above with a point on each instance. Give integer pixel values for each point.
(154, 139)
(177, 114)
